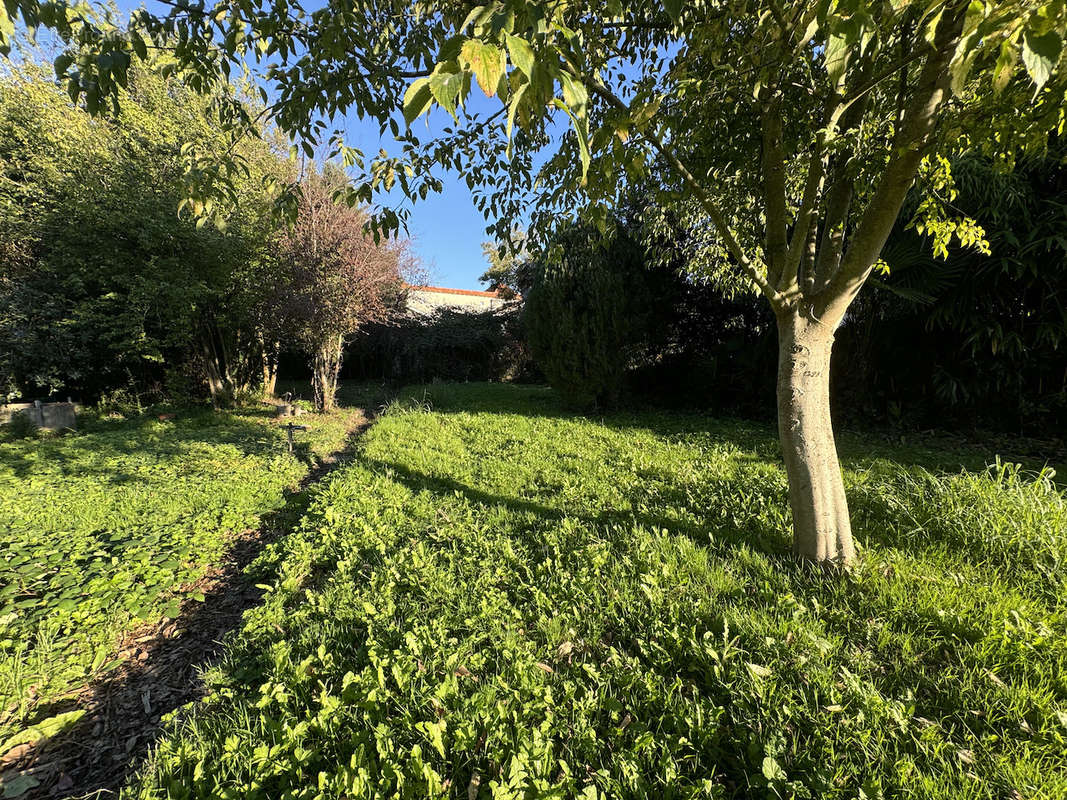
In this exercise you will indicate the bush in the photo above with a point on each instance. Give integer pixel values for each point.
(448, 345)
(587, 313)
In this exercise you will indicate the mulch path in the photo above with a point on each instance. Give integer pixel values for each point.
(159, 672)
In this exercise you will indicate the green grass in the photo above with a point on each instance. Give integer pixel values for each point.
(109, 526)
(497, 599)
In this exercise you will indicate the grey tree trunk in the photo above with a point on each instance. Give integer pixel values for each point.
(822, 530)
(325, 371)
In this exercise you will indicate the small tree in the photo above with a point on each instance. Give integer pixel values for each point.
(584, 314)
(510, 268)
(335, 279)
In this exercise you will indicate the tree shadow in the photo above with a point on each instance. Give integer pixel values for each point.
(99, 450)
(939, 452)
(705, 530)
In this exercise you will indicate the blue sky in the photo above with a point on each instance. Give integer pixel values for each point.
(447, 229)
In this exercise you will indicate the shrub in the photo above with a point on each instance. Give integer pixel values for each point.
(586, 316)
(448, 345)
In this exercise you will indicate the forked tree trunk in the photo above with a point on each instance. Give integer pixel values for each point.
(822, 530)
(325, 371)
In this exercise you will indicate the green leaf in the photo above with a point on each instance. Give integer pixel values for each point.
(581, 130)
(513, 107)
(674, 10)
(486, 61)
(1041, 54)
(45, 729)
(522, 55)
(837, 52)
(62, 64)
(19, 785)
(417, 100)
(575, 94)
(7, 25)
(445, 87)
(138, 45)
(772, 770)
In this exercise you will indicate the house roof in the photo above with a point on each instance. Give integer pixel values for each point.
(465, 292)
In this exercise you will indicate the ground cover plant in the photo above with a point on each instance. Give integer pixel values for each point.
(498, 599)
(113, 525)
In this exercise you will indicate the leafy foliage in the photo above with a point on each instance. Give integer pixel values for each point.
(112, 525)
(499, 599)
(988, 331)
(104, 285)
(448, 345)
(586, 314)
(335, 278)
(510, 270)
(788, 132)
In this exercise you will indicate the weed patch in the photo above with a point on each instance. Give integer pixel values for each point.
(112, 526)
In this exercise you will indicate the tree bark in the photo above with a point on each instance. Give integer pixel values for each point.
(822, 531)
(217, 380)
(325, 371)
(269, 356)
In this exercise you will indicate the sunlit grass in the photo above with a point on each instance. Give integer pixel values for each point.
(101, 528)
(498, 599)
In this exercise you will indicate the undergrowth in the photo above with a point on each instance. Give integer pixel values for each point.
(497, 599)
(112, 525)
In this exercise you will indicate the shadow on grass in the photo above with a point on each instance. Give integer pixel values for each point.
(936, 451)
(99, 450)
(713, 534)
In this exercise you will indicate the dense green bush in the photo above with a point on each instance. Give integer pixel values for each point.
(104, 286)
(587, 313)
(449, 345)
(970, 339)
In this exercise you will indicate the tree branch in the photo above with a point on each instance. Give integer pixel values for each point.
(706, 202)
(913, 138)
(774, 190)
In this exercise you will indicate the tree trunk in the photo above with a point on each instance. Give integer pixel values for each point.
(822, 531)
(269, 355)
(325, 371)
(216, 380)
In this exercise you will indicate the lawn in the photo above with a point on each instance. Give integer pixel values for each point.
(498, 599)
(112, 526)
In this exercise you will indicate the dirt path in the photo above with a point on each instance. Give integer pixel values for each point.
(160, 670)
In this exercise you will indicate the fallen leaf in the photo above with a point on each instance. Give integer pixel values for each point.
(15, 753)
(44, 729)
(19, 785)
(463, 672)
(541, 665)
(758, 670)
